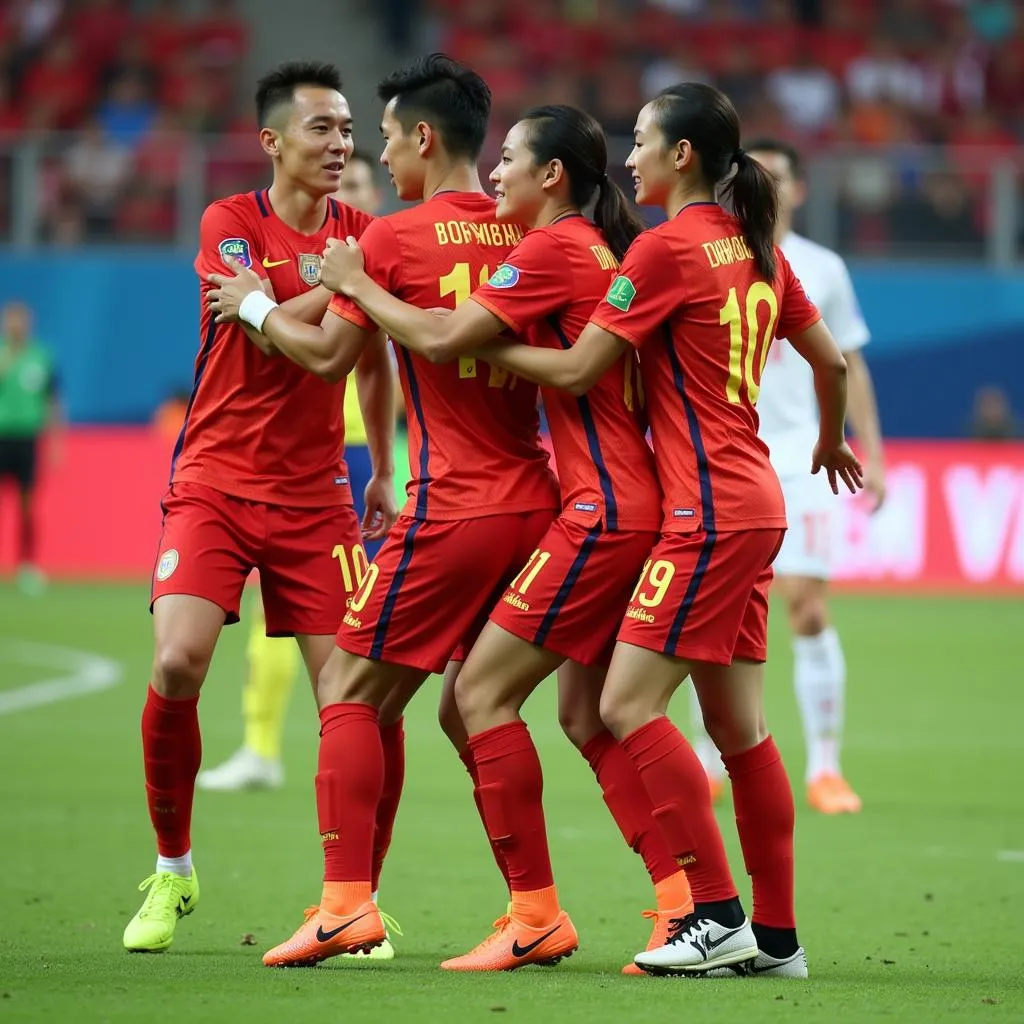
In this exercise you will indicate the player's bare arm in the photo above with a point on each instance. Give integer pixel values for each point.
(862, 412)
(375, 383)
(576, 369)
(819, 348)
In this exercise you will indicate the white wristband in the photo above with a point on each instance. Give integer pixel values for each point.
(255, 308)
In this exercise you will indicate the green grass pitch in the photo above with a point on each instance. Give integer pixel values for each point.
(911, 911)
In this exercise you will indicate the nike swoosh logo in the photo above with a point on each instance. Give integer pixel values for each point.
(518, 950)
(268, 262)
(322, 936)
(717, 942)
(186, 900)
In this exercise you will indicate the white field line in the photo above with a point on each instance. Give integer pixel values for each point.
(79, 673)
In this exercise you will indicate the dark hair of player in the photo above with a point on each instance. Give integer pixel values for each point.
(558, 132)
(360, 156)
(278, 86)
(768, 144)
(445, 94)
(706, 117)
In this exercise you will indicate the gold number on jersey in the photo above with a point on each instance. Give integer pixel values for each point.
(529, 572)
(457, 282)
(353, 566)
(357, 602)
(757, 343)
(659, 574)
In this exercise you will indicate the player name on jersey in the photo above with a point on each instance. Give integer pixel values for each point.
(463, 232)
(723, 251)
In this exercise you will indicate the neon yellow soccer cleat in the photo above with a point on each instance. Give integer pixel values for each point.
(170, 896)
(385, 951)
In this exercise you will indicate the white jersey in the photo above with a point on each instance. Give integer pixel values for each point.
(787, 406)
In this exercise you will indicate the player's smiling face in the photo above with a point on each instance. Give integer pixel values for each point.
(651, 161)
(401, 155)
(312, 138)
(518, 180)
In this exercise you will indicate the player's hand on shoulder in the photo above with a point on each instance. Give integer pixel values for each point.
(381, 507)
(227, 292)
(341, 263)
(840, 463)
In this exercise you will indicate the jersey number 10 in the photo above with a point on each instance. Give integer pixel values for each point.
(458, 282)
(757, 343)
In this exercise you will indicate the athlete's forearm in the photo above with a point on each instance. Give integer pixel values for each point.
(862, 409)
(305, 344)
(553, 368)
(309, 307)
(375, 383)
(830, 389)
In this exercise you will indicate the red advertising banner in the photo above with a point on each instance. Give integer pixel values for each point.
(953, 521)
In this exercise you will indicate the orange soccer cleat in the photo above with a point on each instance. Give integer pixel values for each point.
(659, 934)
(717, 787)
(514, 944)
(324, 935)
(831, 794)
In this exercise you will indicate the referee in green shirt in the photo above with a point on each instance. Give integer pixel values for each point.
(28, 406)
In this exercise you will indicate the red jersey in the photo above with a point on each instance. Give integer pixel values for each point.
(547, 289)
(690, 298)
(474, 431)
(262, 427)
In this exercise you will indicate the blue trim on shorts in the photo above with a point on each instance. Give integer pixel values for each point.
(381, 632)
(565, 589)
(703, 560)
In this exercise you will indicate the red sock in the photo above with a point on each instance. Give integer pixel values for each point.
(629, 803)
(678, 788)
(171, 750)
(466, 756)
(511, 786)
(349, 780)
(763, 800)
(392, 738)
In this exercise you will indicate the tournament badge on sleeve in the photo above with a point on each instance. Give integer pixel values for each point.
(309, 268)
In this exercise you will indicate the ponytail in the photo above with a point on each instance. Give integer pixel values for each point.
(616, 217)
(755, 202)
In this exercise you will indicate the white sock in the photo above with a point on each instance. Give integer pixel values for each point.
(176, 865)
(819, 677)
(701, 742)
(373, 896)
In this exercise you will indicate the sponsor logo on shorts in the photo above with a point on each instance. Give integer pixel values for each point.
(639, 614)
(340, 481)
(621, 294)
(505, 276)
(684, 513)
(309, 268)
(585, 506)
(352, 621)
(235, 249)
(167, 564)
(516, 601)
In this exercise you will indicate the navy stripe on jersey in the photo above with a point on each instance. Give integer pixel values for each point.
(264, 207)
(335, 212)
(387, 609)
(611, 508)
(567, 584)
(707, 502)
(204, 355)
(703, 559)
(417, 407)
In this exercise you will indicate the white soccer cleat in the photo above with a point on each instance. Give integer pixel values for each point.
(697, 945)
(245, 769)
(765, 966)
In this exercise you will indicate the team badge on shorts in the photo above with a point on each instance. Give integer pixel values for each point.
(235, 249)
(167, 564)
(309, 268)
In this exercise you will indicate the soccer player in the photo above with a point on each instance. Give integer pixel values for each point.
(272, 662)
(565, 605)
(701, 296)
(789, 423)
(258, 479)
(480, 498)
(29, 406)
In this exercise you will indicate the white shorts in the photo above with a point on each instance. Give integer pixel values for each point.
(813, 515)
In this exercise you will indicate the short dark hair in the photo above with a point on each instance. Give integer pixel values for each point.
(770, 144)
(361, 156)
(278, 86)
(444, 93)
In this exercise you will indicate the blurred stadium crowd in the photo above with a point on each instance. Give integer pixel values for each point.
(867, 80)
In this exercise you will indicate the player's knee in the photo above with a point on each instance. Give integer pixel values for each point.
(734, 735)
(580, 724)
(179, 669)
(450, 719)
(469, 699)
(620, 714)
(808, 614)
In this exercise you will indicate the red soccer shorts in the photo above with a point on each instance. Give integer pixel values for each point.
(704, 596)
(427, 593)
(571, 594)
(310, 559)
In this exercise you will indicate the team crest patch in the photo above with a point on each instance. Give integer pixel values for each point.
(235, 249)
(167, 564)
(505, 276)
(621, 294)
(309, 268)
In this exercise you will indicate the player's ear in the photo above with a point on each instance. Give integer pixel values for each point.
(554, 172)
(424, 137)
(682, 155)
(269, 142)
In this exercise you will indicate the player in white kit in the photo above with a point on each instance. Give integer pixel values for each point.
(789, 426)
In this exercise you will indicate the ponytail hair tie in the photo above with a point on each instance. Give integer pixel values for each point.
(738, 155)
